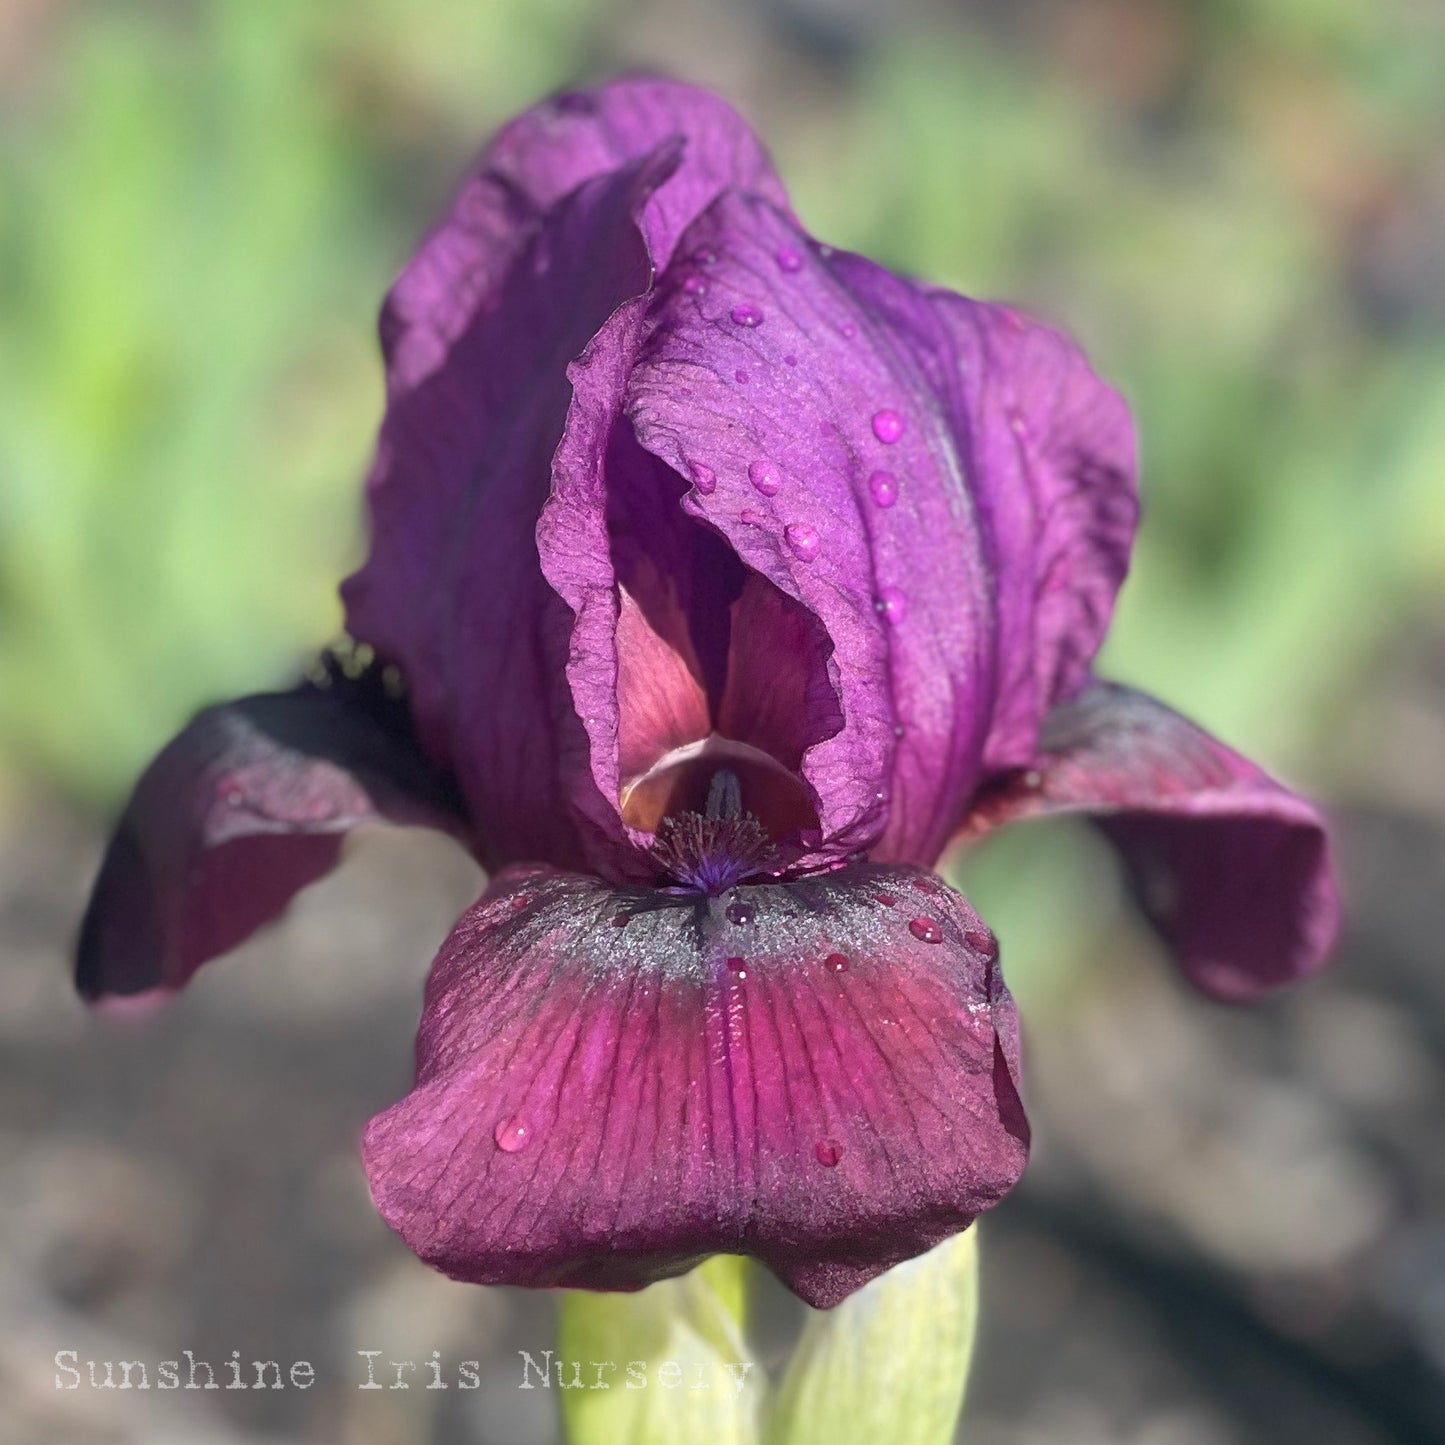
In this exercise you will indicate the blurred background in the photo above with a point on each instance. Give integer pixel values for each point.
(1233, 1229)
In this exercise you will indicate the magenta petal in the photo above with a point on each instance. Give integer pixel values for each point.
(1052, 461)
(849, 375)
(239, 813)
(613, 1084)
(567, 217)
(948, 489)
(453, 590)
(1231, 867)
(534, 162)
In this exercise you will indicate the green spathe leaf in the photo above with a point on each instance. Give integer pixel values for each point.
(891, 1362)
(674, 1363)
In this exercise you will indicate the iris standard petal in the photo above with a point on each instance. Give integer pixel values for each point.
(249, 804)
(1232, 868)
(567, 216)
(453, 591)
(824, 399)
(1051, 463)
(614, 1083)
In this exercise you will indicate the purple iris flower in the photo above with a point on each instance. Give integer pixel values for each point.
(730, 578)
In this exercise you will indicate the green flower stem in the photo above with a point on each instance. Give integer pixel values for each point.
(671, 1365)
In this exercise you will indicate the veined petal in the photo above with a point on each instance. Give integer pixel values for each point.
(1232, 868)
(249, 804)
(795, 390)
(534, 162)
(453, 590)
(946, 489)
(1052, 466)
(614, 1083)
(566, 218)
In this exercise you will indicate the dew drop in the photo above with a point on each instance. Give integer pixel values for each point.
(982, 940)
(883, 486)
(234, 794)
(738, 966)
(766, 477)
(899, 731)
(704, 256)
(828, 1152)
(694, 284)
(790, 359)
(621, 920)
(887, 426)
(740, 376)
(512, 1134)
(704, 478)
(521, 901)
(575, 102)
(926, 930)
(886, 899)
(746, 314)
(849, 330)
(837, 962)
(892, 605)
(788, 259)
(740, 913)
(803, 539)
(1017, 425)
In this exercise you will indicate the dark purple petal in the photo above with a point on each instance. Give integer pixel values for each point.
(239, 813)
(613, 1083)
(565, 219)
(1232, 868)
(946, 489)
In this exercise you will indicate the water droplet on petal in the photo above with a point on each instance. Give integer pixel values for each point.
(704, 256)
(886, 899)
(740, 376)
(766, 477)
(788, 259)
(704, 478)
(982, 940)
(790, 359)
(887, 426)
(892, 605)
(746, 314)
(804, 541)
(621, 920)
(740, 913)
(849, 330)
(234, 794)
(738, 966)
(694, 285)
(829, 1152)
(899, 731)
(1018, 425)
(837, 962)
(884, 488)
(512, 1134)
(926, 930)
(520, 901)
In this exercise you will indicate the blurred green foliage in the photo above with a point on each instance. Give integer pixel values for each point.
(201, 204)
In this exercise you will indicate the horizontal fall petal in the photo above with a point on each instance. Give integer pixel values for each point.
(249, 804)
(613, 1083)
(1231, 867)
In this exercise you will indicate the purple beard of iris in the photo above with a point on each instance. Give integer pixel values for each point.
(731, 578)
